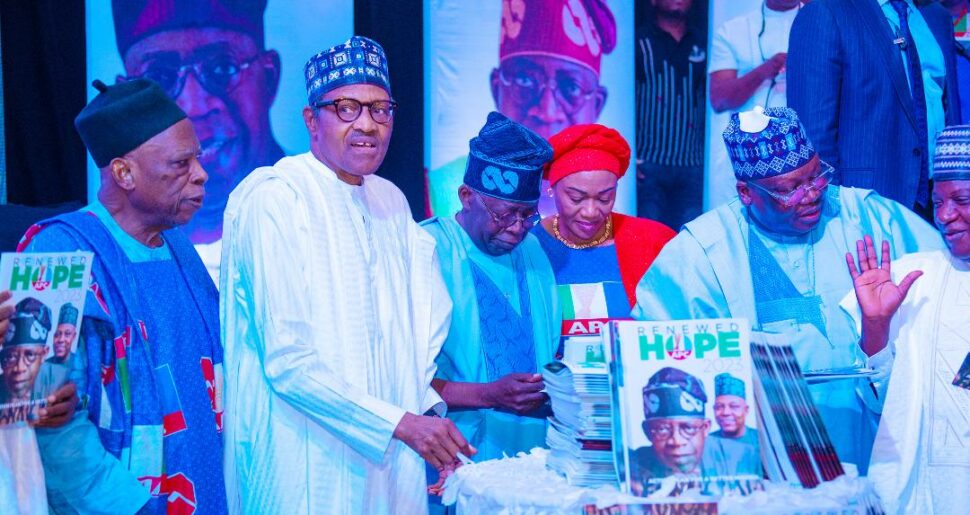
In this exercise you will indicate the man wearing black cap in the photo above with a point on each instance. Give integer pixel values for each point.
(146, 436)
(210, 57)
(675, 423)
(505, 324)
(24, 350)
(337, 313)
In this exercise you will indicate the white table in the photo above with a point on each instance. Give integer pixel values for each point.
(523, 485)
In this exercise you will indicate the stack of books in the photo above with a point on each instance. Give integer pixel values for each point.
(798, 445)
(580, 431)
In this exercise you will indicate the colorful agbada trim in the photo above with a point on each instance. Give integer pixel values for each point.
(152, 386)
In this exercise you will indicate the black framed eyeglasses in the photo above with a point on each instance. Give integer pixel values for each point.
(663, 431)
(218, 74)
(795, 196)
(10, 356)
(508, 219)
(349, 109)
(528, 86)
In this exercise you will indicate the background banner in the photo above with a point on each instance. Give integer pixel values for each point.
(545, 63)
(234, 66)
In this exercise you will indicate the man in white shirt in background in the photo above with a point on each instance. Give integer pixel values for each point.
(746, 68)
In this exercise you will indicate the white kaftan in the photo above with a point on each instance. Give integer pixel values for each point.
(921, 456)
(333, 310)
(21, 473)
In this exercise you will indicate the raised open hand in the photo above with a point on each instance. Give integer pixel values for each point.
(878, 296)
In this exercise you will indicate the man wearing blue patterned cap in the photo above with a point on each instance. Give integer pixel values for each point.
(334, 313)
(505, 324)
(914, 314)
(674, 421)
(770, 256)
(731, 410)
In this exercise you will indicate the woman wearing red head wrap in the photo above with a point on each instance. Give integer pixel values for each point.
(598, 255)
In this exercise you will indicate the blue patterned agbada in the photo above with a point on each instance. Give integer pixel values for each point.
(149, 374)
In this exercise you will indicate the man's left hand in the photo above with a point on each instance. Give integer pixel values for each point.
(878, 296)
(60, 407)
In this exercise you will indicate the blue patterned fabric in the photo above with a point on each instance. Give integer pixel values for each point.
(463, 356)
(358, 60)
(780, 147)
(507, 338)
(726, 384)
(151, 380)
(952, 157)
(776, 297)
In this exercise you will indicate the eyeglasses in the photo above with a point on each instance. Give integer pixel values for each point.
(664, 431)
(349, 109)
(218, 74)
(795, 196)
(509, 219)
(10, 357)
(527, 88)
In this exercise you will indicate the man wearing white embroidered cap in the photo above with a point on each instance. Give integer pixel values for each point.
(770, 256)
(922, 447)
(334, 312)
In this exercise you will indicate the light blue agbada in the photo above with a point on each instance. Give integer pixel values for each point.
(481, 347)
(706, 272)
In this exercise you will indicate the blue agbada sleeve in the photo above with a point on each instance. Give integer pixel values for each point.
(81, 476)
(680, 284)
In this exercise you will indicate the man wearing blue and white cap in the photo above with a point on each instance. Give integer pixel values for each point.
(505, 324)
(917, 313)
(675, 423)
(731, 410)
(771, 255)
(333, 315)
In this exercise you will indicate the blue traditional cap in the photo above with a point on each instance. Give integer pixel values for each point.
(671, 392)
(359, 60)
(506, 160)
(30, 324)
(68, 314)
(766, 143)
(951, 161)
(726, 384)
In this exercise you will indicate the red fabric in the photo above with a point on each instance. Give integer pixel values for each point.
(638, 241)
(587, 147)
(580, 31)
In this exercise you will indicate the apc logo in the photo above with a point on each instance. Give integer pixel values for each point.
(503, 181)
(679, 347)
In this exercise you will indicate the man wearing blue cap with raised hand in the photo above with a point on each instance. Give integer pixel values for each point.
(333, 315)
(768, 256)
(505, 324)
(915, 314)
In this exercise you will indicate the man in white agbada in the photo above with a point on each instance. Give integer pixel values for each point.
(921, 456)
(333, 310)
